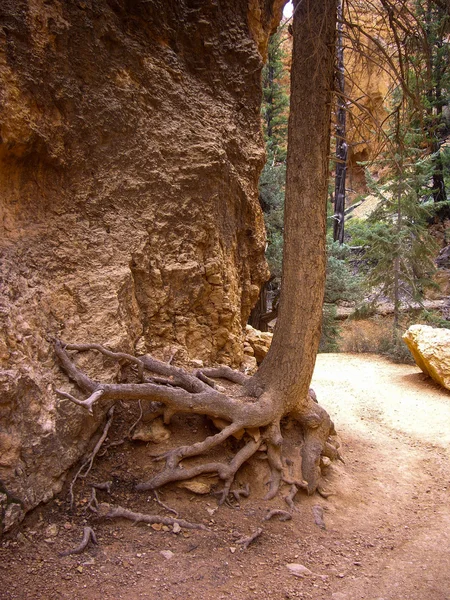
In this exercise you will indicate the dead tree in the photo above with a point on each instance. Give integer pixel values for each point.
(279, 391)
(341, 142)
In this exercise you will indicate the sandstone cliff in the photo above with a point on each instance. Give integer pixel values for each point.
(130, 152)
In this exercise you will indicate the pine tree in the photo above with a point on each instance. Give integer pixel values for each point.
(398, 248)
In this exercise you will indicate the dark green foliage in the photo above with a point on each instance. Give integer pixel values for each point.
(275, 100)
(341, 285)
(329, 341)
(274, 111)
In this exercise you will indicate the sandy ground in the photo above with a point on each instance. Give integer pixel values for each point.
(387, 533)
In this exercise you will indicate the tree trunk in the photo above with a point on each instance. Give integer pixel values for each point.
(290, 362)
(341, 143)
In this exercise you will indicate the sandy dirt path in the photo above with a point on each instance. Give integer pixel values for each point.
(395, 426)
(387, 533)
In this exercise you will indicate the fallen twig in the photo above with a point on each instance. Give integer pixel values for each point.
(246, 541)
(88, 535)
(115, 512)
(276, 512)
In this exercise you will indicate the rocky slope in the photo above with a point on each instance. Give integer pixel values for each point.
(130, 151)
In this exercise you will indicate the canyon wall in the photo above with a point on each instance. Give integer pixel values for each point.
(130, 151)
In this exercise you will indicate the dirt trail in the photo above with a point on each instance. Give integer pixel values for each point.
(387, 525)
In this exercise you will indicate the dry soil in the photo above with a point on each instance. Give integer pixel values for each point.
(387, 534)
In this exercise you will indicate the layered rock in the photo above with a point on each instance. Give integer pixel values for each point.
(430, 348)
(257, 343)
(130, 152)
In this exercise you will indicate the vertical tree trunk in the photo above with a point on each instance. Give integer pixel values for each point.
(341, 143)
(289, 365)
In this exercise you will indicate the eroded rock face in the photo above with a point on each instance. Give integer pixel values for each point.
(130, 152)
(430, 348)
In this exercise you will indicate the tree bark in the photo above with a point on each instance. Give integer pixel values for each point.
(289, 365)
(341, 142)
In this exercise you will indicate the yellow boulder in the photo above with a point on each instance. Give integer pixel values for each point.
(430, 348)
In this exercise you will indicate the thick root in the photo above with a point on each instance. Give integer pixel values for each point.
(252, 414)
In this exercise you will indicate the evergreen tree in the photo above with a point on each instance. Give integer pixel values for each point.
(398, 249)
(275, 100)
(274, 112)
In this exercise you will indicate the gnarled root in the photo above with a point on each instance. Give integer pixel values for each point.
(88, 535)
(118, 512)
(253, 415)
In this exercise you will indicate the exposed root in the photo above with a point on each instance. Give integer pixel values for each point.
(317, 512)
(241, 493)
(158, 501)
(247, 540)
(324, 493)
(90, 460)
(88, 403)
(274, 442)
(131, 429)
(88, 536)
(104, 486)
(289, 499)
(118, 512)
(225, 372)
(276, 512)
(253, 414)
(93, 502)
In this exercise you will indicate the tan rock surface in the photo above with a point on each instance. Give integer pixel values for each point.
(430, 348)
(257, 343)
(130, 152)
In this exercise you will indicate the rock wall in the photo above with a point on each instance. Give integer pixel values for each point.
(130, 152)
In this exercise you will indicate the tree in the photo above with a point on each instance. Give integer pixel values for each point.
(396, 243)
(274, 111)
(275, 100)
(280, 389)
(341, 142)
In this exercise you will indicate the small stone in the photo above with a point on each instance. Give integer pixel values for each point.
(80, 569)
(176, 528)
(197, 363)
(21, 538)
(298, 570)
(196, 486)
(165, 528)
(155, 432)
(232, 549)
(52, 530)
(168, 554)
(156, 526)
